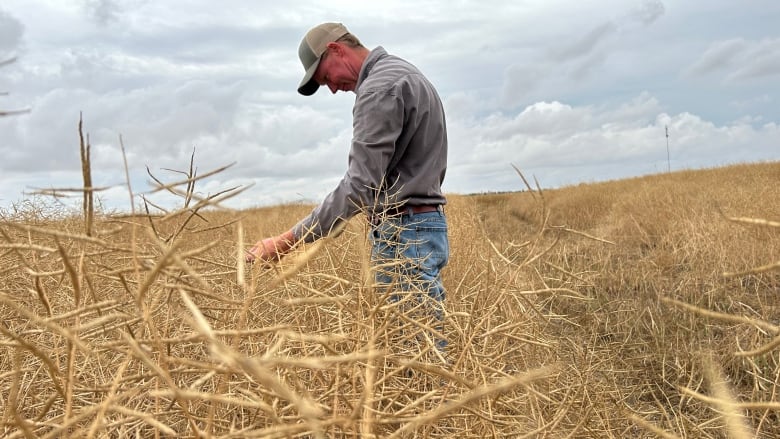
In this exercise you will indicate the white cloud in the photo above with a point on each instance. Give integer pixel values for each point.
(551, 136)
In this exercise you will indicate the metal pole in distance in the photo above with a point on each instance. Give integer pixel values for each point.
(668, 158)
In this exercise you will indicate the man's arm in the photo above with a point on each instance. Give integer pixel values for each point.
(378, 121)
(271, 249)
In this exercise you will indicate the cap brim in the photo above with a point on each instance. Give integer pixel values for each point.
(308, 85)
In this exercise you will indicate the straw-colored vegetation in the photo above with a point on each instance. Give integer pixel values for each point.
(647, 307)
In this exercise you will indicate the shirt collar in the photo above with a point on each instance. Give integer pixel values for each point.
(375, 55)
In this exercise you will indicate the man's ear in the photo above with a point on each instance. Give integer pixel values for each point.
(336, 48)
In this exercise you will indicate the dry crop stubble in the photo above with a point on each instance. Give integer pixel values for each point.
(148, 327)
(560, 321)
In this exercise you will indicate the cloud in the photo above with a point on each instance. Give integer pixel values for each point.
(520, 81)
(11, 31)
(751, 102)
(566, 90)
(586, 67)
(556, 142)
(719, 56)
(563, 144)
(103, 12)
(648, 12)
(738, 60)
(585, 44)
(761, 61)
(599, 44)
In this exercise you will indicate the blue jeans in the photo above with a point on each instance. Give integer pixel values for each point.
(408, 253)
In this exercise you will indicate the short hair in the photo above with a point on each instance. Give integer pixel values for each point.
(350, 40)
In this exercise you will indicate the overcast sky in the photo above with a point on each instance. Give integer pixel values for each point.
(568, 91)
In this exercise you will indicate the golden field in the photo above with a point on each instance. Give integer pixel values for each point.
(639, 308)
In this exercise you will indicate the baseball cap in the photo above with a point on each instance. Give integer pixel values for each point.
(311, 49)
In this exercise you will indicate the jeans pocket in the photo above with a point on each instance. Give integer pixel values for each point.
(432, 247)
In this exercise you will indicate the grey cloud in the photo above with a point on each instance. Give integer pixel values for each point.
(11, 31)
(160, 121)
(763, 60)
(551, 70)
(520, 81)
(718, 56)
(103, 12)
(585, 44)
(209, 44)
(546, 88)
(585, 67)
(41, 140)
(739, 60)
(648, 11)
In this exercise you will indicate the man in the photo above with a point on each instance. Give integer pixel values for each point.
(396, 164)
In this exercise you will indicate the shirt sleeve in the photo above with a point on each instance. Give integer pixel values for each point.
(378, 119)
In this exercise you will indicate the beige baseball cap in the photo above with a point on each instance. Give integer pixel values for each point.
(311, 49)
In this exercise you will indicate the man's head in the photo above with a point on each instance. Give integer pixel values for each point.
(330, 56)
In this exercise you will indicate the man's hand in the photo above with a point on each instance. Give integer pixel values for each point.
(271, 249)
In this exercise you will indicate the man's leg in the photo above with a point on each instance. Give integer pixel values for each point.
(409, 253)
(427, 251)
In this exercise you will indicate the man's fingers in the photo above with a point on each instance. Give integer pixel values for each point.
(266, 250)
(259, 251)
(250, 256)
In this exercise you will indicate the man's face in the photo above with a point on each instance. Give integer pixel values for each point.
(335, 71)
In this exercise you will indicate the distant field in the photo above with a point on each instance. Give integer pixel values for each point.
(647, 307)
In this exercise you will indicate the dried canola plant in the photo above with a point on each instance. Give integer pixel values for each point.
(154, 327)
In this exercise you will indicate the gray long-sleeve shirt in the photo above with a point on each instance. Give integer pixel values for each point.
(399, 146)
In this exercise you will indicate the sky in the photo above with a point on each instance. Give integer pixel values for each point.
(569, 92)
